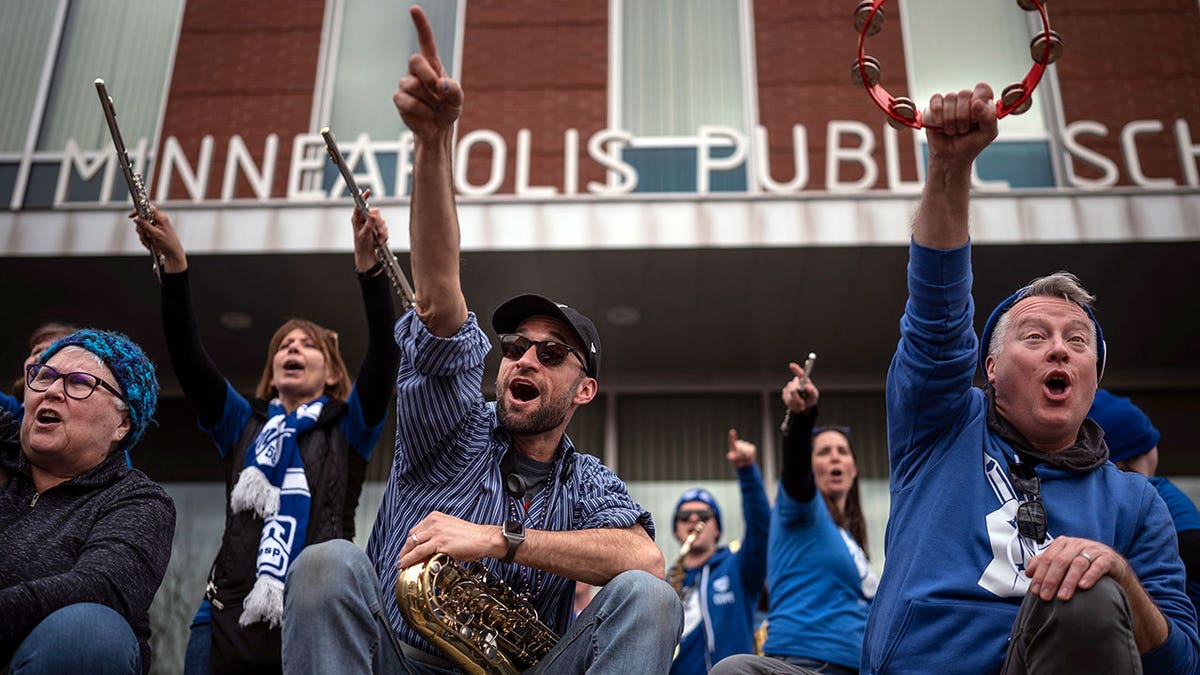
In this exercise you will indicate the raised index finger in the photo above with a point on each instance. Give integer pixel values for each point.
(425, 39)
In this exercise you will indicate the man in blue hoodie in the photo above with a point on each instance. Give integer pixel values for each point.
(1013, 545)
(722, 586)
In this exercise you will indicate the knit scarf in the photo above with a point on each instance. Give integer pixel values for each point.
(273, 485)
(1088, 452)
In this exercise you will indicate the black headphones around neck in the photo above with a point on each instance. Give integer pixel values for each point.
(516, 485)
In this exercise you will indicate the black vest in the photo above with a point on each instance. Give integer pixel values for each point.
(335, 475)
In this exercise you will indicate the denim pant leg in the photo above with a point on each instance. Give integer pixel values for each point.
(631, 626)
(198, 657)
(81, 638)
(333, 617)
(1090, 633)
(749, 664)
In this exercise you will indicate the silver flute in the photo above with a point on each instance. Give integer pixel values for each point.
(137, 186)
(787, 416)
(391, 266)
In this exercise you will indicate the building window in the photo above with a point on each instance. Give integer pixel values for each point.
(943, 57)
(679, 66)
(682, 436)
(365, 52)
(52, 117)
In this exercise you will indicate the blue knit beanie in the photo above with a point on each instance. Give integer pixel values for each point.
(985, 340)
(699, 495)
(1127, 430)
(129, 365)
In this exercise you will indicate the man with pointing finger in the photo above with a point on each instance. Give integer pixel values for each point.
(1013, 545)
(495, 482)
(722, 584)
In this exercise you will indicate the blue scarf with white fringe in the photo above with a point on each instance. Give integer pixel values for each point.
(273, 485)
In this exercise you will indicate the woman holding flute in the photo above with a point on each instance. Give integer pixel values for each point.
(294, 455)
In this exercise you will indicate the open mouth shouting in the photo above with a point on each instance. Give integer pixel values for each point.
(45, 416)
(293, 366)
(1057, 385)
(521, 390)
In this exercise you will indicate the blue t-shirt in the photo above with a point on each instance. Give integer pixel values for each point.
(819, 582)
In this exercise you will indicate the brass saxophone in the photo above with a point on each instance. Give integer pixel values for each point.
(678, 573)
(472, 616)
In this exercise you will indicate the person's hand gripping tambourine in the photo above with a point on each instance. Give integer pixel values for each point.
(1045, 48)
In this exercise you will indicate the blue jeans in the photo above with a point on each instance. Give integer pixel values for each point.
(334, 621)
(80, 638)
(198, 657)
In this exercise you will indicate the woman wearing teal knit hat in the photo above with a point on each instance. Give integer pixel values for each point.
(84, 538)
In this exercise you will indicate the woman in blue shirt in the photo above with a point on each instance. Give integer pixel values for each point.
(819, 581)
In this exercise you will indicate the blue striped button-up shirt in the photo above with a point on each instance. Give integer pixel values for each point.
(448, 450)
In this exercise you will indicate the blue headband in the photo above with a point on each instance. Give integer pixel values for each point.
(985, 340)
(699, 495)
(129, 365)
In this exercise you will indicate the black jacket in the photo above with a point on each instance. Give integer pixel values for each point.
(103, 537)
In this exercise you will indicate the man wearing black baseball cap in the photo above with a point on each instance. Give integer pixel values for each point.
(497, 482)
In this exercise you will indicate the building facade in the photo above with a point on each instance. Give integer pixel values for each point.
(702, 177)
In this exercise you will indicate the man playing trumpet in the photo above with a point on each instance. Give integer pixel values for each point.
(720, 585)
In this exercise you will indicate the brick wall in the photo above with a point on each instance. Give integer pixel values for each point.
(538, 66)
(246, 68)
(250, 69)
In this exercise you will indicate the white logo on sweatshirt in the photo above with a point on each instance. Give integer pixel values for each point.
(1005, 574)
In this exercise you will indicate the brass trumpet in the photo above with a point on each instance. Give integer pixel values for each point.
(678, 572)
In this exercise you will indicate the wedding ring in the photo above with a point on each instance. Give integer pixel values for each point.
(413, 538)
(1085, 556)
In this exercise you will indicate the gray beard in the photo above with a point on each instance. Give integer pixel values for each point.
(546, 417)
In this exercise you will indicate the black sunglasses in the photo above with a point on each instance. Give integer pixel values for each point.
(1031, 513)
(550, 353)
(703, 515)
(77, 385)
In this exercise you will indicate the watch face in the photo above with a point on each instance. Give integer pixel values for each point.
(514, 528)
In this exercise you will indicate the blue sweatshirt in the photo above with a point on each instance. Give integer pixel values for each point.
(729, 586)
(955, 578)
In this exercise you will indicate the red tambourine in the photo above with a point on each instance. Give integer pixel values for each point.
(1045, 48)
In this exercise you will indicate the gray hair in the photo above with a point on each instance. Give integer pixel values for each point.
(1061, 284)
